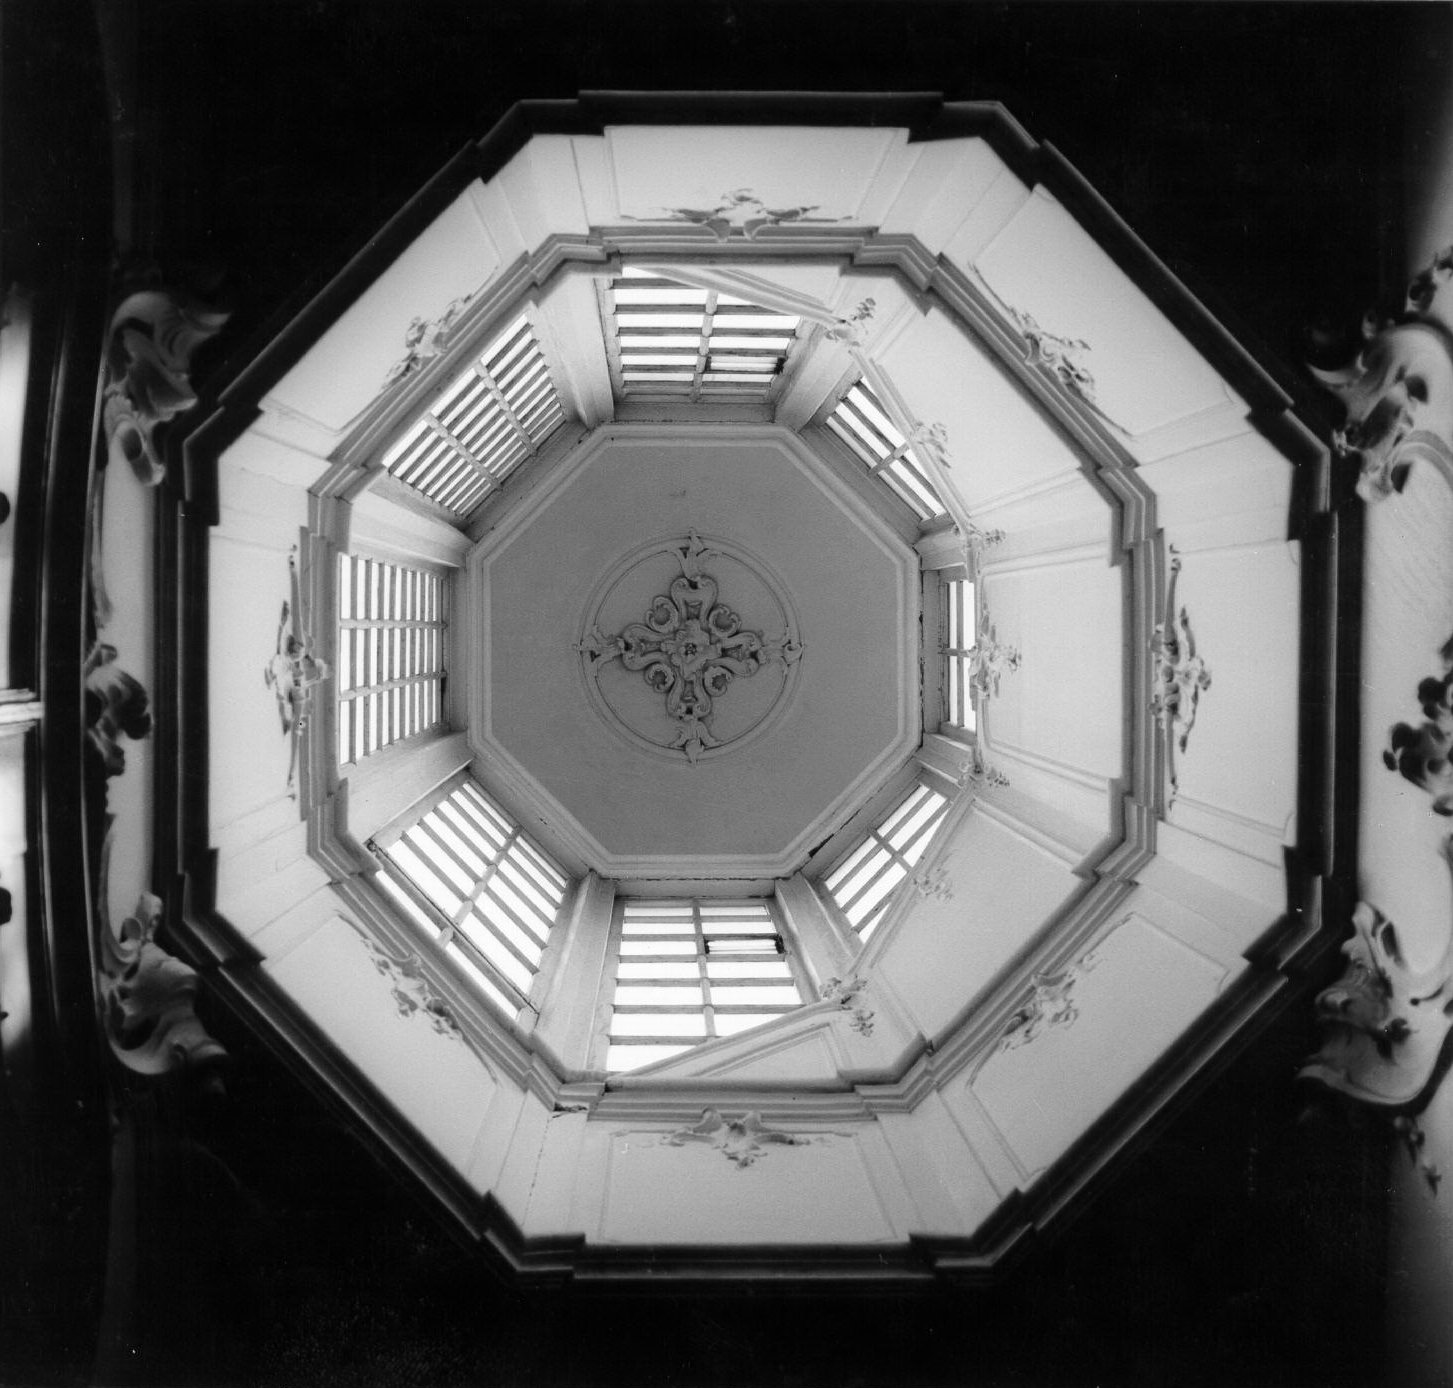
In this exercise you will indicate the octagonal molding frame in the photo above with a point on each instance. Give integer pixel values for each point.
(502, 771)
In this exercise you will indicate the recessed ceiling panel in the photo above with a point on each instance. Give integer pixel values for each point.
(695, 649)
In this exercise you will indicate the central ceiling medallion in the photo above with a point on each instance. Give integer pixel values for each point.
(692, 678)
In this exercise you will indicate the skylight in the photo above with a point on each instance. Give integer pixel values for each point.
(482, 426)
(674, 340)
(494, 896)
(862, 886)
(960, 633)
(391, 626)
(687, 971)
(862, 423)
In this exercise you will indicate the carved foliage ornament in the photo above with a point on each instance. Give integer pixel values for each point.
(1058, 355)
(147, 998)
(413, 995)
(853, 330)
(1424, 754)
(1178, 674)
(990, 659)
(743, 1141)
(740, 209)
(690, 648)
(425, 339)
(848, 994)
(294, 670)
(116, 706)
(153, 335)
(1051, 1004)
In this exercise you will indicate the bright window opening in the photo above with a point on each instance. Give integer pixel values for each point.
(687, 971)
(673, 340)
(862, 423)
(391, 638)
(863, 884)
(486, 894)
(960, 632)
(482, 426)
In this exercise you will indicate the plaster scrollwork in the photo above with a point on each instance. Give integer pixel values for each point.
(294, 671)
(116, 706)
(935, 885)
(978, 540)
(147, 998)
(1051, 1004)
(689, 649)
(1424, 754)
(1397, 393)
(1060, 356)
(931, 440)
(990, 659)
(852, 330)
(848, 995)
(743, 1141)
(741, 210)
(412, 993)
(425, 339)
(1179, 674)
(978, 773)
(153, 335)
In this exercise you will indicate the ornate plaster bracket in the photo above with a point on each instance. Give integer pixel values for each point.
(294, 671)
(153, 335)
(848, 995)
(689, 649)
(1424, 754)
(935, 885)
(931, 440)
(990, 659)
(743, 1141)
(146, 997)
(1051, 1004)
(1178, 676)
(740, 210)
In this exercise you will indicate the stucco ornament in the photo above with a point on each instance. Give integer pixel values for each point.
(1051, 1004)
(1061, 356)
(743, 1141)
(147, 998)
(1398, 395)
(425, 339)
(848, 995)
(116, 706)
(1424, 754)
(935, 885)
(990, 659)
(690, 648)
(294, 670)
(853, 329)
(1386, 1024)
(1179, 675)
(740, 209)
(153, 335)
(413, 994)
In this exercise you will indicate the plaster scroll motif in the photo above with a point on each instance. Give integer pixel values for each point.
(413, 994)
(425, 339)
(153, 335)
(848, 994)
(931, 439)
(294, 671)
(990, 659)
(1051, 1004)
(1424, 754)
(1178, 676)
(741, 210)
(689, 649)
(936, 885)
(146, 997)
(1058, 355)
(743, 1141)
(852, 330)
(116, 706)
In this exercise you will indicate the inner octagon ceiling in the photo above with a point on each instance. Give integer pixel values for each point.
(803, 741)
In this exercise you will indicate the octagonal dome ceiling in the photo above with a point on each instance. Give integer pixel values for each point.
(793, 746)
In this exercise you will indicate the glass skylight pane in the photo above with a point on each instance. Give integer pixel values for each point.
(742, 994)
(438, 892)
(757, 968)
(482, 980)
(653, 947)
(657, 969)
(622, 1059)
(876, 893)
(910, 828)
(658, 358)
(739, 321)
(408, 905)
(660, 296)
(487, 909)
(659, 320)
(498, 955)
(734, 1023)
(720, 363)
(657, 995)
(651, 341)
(658, 376)
(658, 1024)
(877, 859)
(725, 342)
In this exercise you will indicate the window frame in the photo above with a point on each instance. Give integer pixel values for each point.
(899, 470)
(701, 958)
(452, 933)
